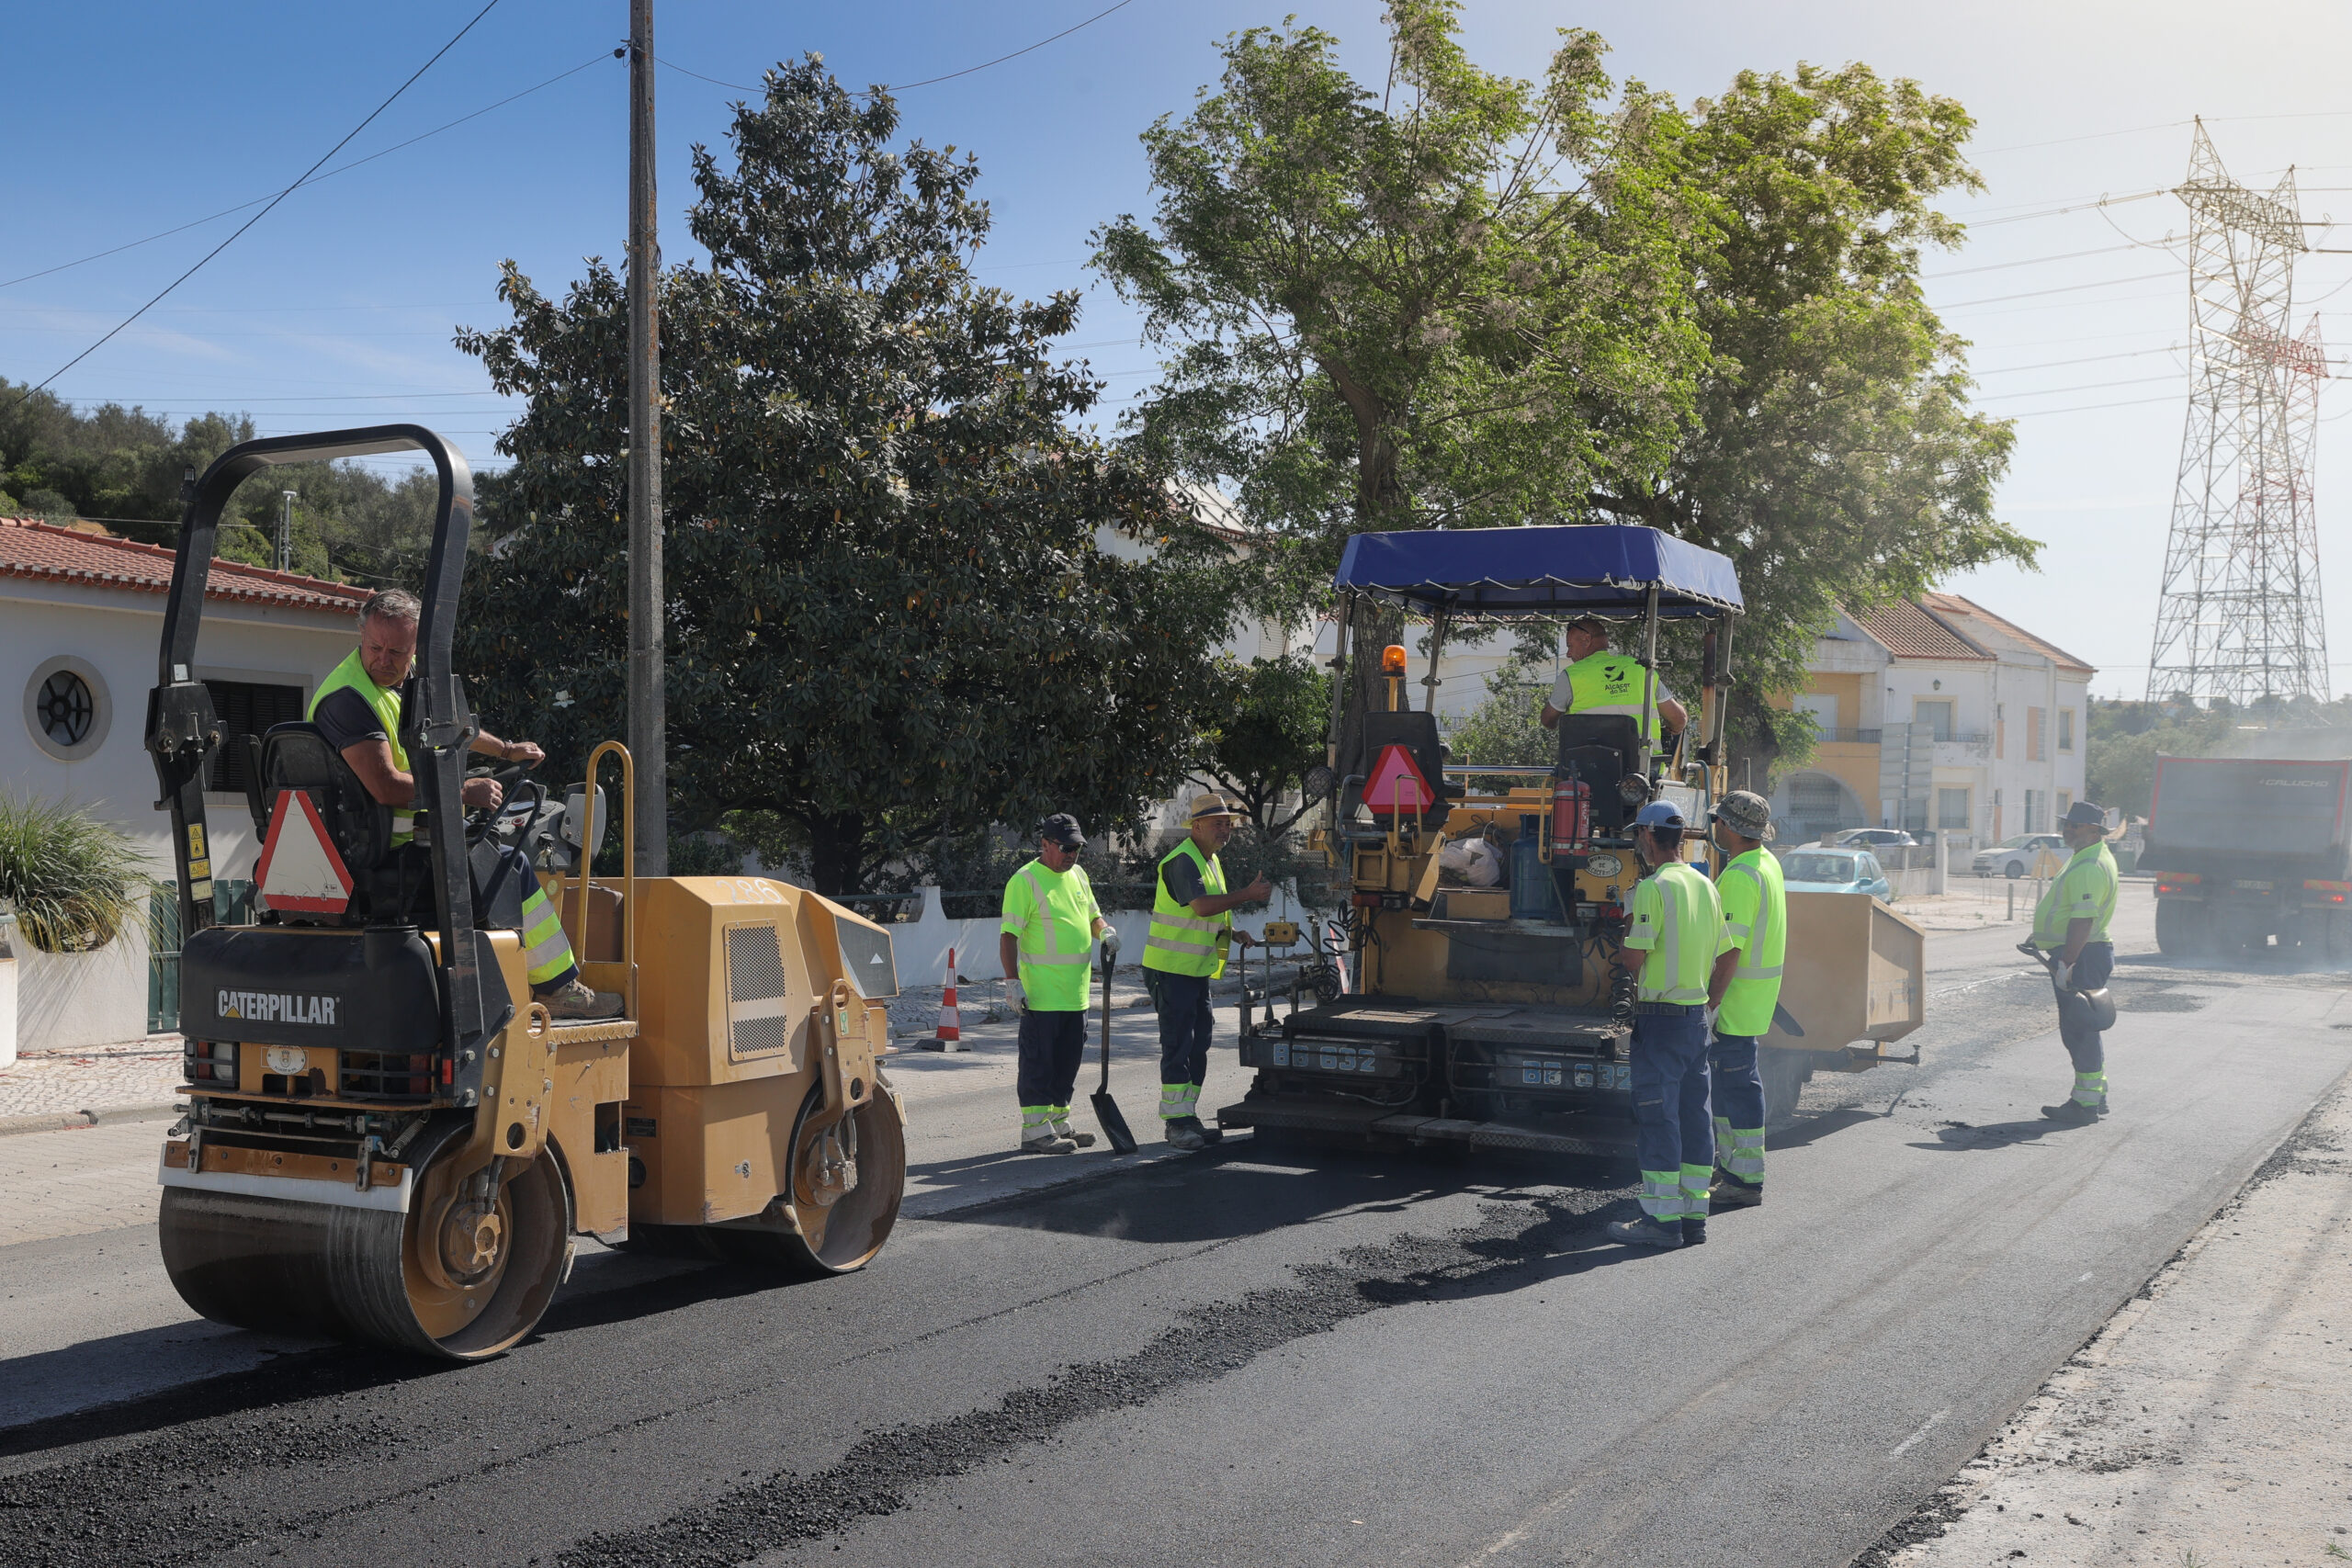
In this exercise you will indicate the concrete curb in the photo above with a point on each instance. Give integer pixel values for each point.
(70, 1121)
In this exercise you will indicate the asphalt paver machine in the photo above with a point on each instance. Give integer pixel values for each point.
(1485, 1015)
(387, 1139)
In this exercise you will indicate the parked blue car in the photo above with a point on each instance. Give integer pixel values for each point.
(1835, 871)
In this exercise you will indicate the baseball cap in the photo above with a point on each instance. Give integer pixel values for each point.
(1062, 828)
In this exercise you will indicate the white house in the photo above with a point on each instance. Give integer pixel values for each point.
(1999, 713)
(81, 620)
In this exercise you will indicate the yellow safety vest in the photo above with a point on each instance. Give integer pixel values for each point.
(1051, 914)
(1180, 942)
(1756, 914)
(2086, 889)
(1613, 682)
(385, 707)
(1677, 919)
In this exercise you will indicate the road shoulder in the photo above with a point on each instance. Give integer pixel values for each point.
(2209, 1421)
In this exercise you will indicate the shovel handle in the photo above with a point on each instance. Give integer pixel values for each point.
(1106, 1023)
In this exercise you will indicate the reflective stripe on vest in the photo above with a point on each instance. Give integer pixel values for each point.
(385, 707)
(1760, 937)
(1181, 943)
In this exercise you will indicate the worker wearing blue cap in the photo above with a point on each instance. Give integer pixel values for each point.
(1676, 922)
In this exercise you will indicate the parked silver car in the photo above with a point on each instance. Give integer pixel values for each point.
(2014, 857)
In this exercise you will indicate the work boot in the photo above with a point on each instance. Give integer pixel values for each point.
(1644, 1231)
(1728, 1192)
(2073, 1114)
(1042, 1139)
(1186, 1133)
(1694, 1231)
(1062, 1127)
(573, 1000)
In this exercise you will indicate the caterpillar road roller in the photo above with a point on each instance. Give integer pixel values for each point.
(1487, 1015)
(387, 1139)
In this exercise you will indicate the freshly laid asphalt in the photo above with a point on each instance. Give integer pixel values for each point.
(1256, 1356)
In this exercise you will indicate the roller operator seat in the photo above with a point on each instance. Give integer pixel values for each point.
(297, 756)
(1602, 748)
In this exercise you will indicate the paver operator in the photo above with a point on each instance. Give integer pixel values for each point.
(1192, 918)
(1596, 681)
(1676, 922)
(1050, 924)
(1741, 992)
(2071, 921)
(358, 708)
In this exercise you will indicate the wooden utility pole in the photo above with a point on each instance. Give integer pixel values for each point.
(647, 718)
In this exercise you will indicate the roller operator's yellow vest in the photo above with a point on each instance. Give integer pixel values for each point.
(385, 707)
(1614, 682)
(1181, 943)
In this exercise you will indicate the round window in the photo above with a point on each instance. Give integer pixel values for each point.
(66, 709)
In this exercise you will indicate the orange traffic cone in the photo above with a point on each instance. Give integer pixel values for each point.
(950, 1037)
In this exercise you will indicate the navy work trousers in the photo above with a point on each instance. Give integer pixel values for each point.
(1737, 1087)
(1186, 1023)
(1052, 1047)
(1671, 1132)
(2087, 1046)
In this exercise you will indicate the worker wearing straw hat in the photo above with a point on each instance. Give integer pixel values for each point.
(1192, 917)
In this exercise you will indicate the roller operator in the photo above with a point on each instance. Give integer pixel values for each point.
(357, 709)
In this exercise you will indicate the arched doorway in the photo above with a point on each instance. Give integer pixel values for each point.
(1809, 806)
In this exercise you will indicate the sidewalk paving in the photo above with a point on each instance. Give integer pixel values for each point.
(48, 1084)
(2209, 1422)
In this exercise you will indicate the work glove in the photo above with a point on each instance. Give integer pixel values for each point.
(1111, 941)
(1710, 1016)
(2063, 972)
(1015, 998)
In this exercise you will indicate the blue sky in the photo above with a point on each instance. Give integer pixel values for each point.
(338, 307)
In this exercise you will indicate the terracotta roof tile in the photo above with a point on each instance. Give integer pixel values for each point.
(1905, 629)
(1954, 605)
(66, 554)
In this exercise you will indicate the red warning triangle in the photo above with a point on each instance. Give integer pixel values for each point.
(1396, 784)
(300, 869)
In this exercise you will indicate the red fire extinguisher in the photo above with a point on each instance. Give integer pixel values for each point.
(1571, 816)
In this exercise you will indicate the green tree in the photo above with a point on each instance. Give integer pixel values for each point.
(1833, 455)
(888, 619)
(1457, 299)
(1273, 715)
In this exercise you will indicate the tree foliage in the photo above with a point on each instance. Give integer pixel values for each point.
(125, 465)
(1833, 455)
(1274, 718)
(1459, 299)
(888, 617)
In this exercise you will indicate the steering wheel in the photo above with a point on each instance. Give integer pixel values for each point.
(481, 818)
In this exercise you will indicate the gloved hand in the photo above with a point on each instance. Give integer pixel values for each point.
(1110, 940)
(1015, 998)
(2063, 972)
(1710, 1016)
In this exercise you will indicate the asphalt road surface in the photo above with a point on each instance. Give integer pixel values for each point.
(1254, 1356)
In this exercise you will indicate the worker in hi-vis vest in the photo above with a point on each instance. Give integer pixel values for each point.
(1742, 993)
(1596, 681)
(1192, 917)
(1675, 922)
(2070, 924)
(1047, 947)
(357, 709)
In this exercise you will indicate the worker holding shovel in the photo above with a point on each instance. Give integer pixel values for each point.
(1050, 924)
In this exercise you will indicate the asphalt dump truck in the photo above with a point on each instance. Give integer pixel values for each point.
(1486, 1016)
(2245, 850)
(387, 1140)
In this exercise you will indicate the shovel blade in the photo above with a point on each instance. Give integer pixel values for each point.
(1113, 1123)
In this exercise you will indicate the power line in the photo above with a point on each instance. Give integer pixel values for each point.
(339, 169)
(928, 81)
(2060, 212)
(2079, 387)
(2063, 289)
(2037, 261)
(27, 394)
(2085, 359)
